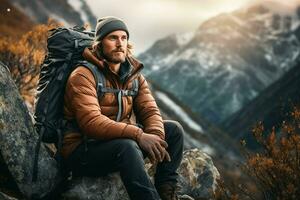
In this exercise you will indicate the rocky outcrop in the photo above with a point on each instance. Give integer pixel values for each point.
(18, 140)
(197, 178)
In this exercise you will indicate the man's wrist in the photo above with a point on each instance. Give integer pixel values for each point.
(138, 136)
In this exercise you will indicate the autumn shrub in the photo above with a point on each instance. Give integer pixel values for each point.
(24, 56)
(276, 168)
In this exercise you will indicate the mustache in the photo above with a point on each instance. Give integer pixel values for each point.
(119, 50)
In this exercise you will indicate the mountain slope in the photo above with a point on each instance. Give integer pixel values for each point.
(227, 62)
(271, 107)
(199, 133)
(70, 13)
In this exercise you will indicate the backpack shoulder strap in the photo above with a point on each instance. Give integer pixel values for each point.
(135, 86)
(134, 89)
(98, 75)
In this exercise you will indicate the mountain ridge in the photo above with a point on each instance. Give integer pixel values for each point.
(61, 10)
(229, 60)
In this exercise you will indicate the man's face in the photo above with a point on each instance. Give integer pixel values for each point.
(114, 46)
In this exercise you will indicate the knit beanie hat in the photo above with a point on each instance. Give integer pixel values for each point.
(107, 25)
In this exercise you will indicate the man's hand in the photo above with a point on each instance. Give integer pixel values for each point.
(155, 147)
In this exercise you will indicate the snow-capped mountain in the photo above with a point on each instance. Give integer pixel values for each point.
(227, 62)
(69, 12)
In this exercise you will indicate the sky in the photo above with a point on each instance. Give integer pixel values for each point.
(151, 20)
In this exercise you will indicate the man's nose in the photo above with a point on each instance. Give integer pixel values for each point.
(119, 42)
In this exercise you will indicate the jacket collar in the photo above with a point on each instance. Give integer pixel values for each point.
(127, 69)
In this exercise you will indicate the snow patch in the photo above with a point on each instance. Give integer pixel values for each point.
(190, 143)
(187, 54)
(295, 25)
(170, 59)
(268, 57)
(229, 67)
(235, 102)
(253, 93)
(61, 20)
(183, 39)
(155, 67)
(180, 112)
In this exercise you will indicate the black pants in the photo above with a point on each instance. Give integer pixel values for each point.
(125, 156)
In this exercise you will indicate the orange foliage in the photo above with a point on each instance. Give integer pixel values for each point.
(24, 57)
(276, 169)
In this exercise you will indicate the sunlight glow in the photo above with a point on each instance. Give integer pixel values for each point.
(154, 19)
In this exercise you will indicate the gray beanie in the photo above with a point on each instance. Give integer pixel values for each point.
(107, 25)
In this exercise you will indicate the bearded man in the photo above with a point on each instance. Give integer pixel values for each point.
(105, 138)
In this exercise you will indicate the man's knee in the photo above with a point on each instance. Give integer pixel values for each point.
(173, 129)
(129, 147)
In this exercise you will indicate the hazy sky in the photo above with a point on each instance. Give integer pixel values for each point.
(154, 19)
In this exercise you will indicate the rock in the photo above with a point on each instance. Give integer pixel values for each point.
(106, 188)
(18, 140)
(198, 175)
(6, 197)
(185, 197)
(197, 178)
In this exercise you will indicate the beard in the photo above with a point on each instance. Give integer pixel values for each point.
(115, 56)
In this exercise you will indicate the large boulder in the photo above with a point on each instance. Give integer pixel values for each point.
(197, 178)
(18, 140)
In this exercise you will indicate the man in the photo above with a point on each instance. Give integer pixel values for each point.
(119, 145)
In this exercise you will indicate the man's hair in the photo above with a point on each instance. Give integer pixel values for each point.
(98, 50)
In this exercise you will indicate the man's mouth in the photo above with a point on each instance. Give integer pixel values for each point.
(118, 51)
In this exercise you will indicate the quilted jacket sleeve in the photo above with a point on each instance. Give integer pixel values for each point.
(81, 98)
(147, 110)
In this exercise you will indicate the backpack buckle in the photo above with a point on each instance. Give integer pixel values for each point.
(124, 92)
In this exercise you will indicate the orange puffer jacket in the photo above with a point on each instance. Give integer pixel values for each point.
(96, 117)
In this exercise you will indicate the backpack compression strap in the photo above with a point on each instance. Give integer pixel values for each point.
(101, 87)
(41, 133)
